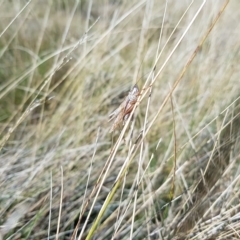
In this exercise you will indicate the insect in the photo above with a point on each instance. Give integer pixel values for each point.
(122, 113)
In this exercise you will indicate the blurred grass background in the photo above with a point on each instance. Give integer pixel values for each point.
(65, 65)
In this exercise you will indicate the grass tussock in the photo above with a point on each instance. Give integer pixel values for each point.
(171, 171)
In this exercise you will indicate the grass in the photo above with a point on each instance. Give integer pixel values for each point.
(171, 172)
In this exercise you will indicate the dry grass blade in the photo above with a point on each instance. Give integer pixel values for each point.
(60, 206)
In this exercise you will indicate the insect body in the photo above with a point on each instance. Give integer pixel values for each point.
(122, 113)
